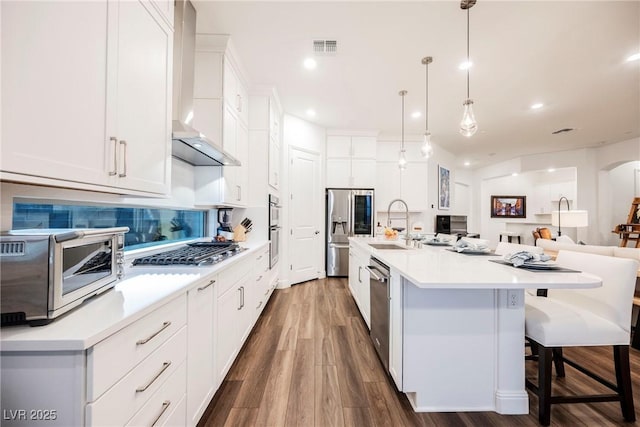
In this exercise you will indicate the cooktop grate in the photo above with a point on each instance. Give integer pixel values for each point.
(192, 254)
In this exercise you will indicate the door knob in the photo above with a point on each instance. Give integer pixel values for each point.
(317, 232)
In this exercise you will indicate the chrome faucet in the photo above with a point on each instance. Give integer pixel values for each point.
(406, 218)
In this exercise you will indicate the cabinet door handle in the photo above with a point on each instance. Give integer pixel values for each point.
(165, 325)
(238, 103)
(259, 305)
(202, 288)
(359, 271)
(165, 406)
(242, 287)
(259, 278)
(115, 156)
(240, 290)
(267, 291)
(239, 192)
(165, 365)
(124, 173)
(276, 173)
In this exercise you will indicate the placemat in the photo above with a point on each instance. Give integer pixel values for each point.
(537, 270)
(471, 252)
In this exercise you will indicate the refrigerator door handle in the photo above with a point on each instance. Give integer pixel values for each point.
(352, 213)
(339, 245)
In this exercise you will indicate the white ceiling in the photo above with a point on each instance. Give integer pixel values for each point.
(570, 55)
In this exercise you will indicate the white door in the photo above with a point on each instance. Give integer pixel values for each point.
(305, 213)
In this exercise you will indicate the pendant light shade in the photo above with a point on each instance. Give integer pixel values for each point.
(402, 159)
(426, 149)
(468, 124)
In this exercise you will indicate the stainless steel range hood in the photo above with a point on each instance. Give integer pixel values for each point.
(187, 143)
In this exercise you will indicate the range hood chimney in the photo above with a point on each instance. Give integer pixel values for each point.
(187, 143)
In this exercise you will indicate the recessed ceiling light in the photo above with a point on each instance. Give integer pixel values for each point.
(634, 57)
(551, 170)
(197, 145)
(465, 65)
(467, 163)
(310, 63)
(416, 114)
(537, 105)
(311, 113)
(514, 174)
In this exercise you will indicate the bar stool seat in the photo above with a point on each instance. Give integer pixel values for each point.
(510, 235)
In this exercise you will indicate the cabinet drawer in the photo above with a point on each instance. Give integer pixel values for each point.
(230, 276)
(112, 358)
(129, 394)
(162, 406)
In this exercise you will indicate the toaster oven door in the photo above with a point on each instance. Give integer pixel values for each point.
(82, 268)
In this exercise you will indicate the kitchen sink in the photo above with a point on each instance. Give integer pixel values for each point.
(386, 246)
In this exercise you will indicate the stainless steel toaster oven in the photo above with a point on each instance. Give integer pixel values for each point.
(47, 272)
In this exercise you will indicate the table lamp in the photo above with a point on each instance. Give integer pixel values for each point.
(570, 218)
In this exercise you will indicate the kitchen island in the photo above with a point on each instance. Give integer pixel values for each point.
(456, 325)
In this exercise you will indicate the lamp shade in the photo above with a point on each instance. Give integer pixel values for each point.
(575, 218)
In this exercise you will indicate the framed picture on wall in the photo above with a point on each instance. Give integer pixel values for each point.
(444, 188)
(508, 206)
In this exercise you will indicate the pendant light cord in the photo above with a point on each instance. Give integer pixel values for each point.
(468, 63)
(426, 109)
(402, 121)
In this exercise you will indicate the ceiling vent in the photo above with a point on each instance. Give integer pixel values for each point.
(562, 130)
(325, 47)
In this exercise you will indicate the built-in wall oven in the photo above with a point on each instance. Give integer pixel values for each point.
(274, 230)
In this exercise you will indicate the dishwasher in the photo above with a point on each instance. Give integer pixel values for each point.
(380, 297)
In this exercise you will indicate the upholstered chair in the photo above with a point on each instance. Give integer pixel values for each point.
(584, 317)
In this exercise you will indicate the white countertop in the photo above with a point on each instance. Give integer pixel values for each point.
(434, 267)
(143, 290)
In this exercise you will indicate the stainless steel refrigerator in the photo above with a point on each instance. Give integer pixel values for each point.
(349, 213)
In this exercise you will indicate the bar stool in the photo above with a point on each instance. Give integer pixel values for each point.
(583, 318)
(509, 235)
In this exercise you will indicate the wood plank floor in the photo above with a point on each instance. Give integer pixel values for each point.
(309, 362)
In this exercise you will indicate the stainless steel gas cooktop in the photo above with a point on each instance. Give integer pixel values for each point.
(198, 253)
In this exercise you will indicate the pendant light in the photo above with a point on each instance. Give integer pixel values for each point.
(468, 124)
(426, 149)
(402, 160)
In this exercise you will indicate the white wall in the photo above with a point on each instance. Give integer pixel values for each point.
(593, 187)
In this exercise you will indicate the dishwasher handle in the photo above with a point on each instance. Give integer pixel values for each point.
(374, 272)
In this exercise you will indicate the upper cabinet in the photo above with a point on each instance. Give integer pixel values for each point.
(409, 185)
(89, 105)
(351, 161)
(221, 112)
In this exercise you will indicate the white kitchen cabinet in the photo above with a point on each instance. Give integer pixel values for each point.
(265, 135)
(396, 328)
(274, 163)
(234, 314)
(221, 111)
(363, 173)
(351, 161)
(103, 114)
(261, 283)
(201, 384)
(339, 173)
(359, 281)
(409, 185)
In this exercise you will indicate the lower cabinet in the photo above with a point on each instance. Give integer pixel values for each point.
(359, 281)
(201, 380)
